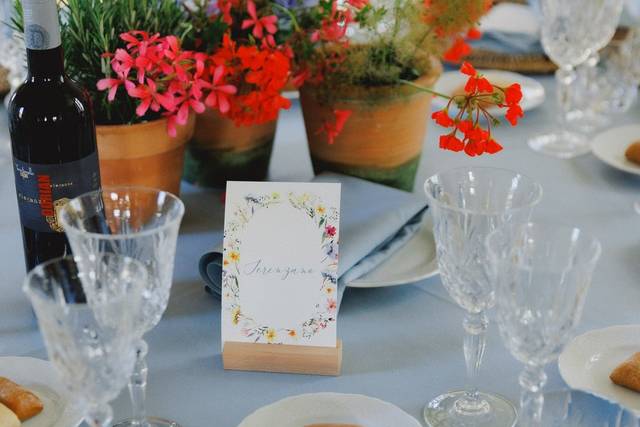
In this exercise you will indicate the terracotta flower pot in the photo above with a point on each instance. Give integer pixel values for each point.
(220, 151)
(143, 154)
(382, 139)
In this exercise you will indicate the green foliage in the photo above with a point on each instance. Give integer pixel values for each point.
(394, 41)
(92, 27)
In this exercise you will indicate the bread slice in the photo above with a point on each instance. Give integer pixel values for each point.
(21, 401)
(627, 374)
(633, 153)
(8, 418)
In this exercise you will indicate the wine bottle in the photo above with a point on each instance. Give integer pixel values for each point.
(53, 137)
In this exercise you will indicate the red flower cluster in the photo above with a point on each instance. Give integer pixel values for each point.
(260, 73)
(479, 95)
(241, 83)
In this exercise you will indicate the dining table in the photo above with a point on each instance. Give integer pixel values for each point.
(401, 344)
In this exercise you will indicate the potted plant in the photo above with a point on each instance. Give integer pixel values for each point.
(133, 144)
(365, 74)
(236, 144)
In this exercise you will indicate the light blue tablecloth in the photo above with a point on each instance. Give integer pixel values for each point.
(401, 344)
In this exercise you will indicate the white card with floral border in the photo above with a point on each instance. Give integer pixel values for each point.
(279, 279)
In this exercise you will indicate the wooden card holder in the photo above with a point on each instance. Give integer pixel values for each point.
(292, 359)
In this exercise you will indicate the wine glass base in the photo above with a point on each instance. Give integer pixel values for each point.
(495, 411)
(563, 145)
(151, 422)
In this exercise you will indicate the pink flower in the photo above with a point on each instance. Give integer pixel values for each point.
(219, 95)
(331, 305)
(122, 63)
(259, 24)
(112, 85)
(150, 98)
(358, 4)
(330, 230)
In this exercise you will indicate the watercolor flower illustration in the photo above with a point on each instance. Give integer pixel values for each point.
(235, 315)
(271, 335)
(326, 219)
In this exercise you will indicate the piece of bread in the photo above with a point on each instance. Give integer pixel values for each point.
(21, 401)
(627, 374)
(633, 153)
(8, 418)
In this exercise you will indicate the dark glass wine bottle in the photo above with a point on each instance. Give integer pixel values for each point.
(52, 135)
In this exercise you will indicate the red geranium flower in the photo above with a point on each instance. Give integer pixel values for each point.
(514, 112)
(442, 118)
(458, 50)
(333, 129)
(259, 24)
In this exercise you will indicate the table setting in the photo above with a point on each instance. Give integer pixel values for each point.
(322, 256)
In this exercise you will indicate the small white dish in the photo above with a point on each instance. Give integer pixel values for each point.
(610, 146)
(308, 409)
(415, 261)
(585, 364)
(40, 377)
(533, 93)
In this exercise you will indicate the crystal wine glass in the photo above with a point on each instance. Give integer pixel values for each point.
(589, 89)
(466, 205)
(143, 224)
(542, 274)
(567, 28)
(89, 339)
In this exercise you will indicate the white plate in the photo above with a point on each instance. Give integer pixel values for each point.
(40, 377)
(533, 94)
(587, 361)
(610, 146)
(306, 409)
(415, 261)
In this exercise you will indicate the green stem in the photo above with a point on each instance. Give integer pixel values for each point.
(422, 39)
(286, 10)
(424, 89)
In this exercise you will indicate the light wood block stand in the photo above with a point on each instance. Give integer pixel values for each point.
(293, 359)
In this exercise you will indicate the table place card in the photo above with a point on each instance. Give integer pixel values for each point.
(280, 263)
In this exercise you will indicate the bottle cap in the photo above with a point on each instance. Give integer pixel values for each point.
(41, 24)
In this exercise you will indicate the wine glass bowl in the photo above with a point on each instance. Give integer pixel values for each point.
(87, 320)
(466, 205)
(134, 221)
(542, 274)
(571, 31)
(143, 224)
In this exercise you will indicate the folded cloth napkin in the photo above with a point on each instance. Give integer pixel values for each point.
(510, 28)
(375, 221)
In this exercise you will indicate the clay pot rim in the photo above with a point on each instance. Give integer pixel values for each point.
(146, 123)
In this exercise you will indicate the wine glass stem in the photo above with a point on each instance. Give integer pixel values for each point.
(138, 386)
(565, 77)
(532, 381)
(99, 416)
(475, 326)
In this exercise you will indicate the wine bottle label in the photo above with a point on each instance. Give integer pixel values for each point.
(43, 190)
(41, 25)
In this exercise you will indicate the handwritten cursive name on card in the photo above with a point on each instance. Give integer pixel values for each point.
(285, 271)
(280, 263)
